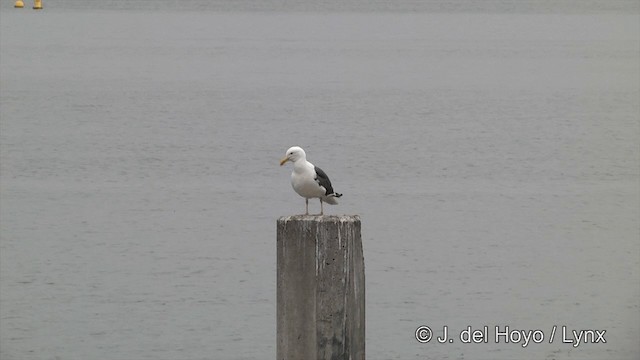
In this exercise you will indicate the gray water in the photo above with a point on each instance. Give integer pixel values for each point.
(491, 150)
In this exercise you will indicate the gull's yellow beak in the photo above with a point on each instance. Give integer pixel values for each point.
(284, 160)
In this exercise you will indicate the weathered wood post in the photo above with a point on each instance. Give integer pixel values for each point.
(320, 295)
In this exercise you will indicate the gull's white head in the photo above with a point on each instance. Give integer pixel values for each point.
(294, 154)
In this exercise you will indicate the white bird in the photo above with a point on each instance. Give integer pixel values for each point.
(308, 180)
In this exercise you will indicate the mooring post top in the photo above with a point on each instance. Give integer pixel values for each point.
(321, 218)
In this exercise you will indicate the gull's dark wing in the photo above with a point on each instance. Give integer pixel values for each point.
(323, 180)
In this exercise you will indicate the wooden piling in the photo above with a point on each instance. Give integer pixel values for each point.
(320, 288)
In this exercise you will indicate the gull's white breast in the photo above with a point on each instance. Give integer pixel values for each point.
(304, 183)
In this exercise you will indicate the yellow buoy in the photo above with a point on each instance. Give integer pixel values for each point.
(37, 4)
(19, 4)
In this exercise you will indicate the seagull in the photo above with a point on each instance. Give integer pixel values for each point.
(308, 180)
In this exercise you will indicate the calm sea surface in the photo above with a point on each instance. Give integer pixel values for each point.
(491, 149)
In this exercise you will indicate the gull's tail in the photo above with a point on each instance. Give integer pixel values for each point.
(331, 198)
